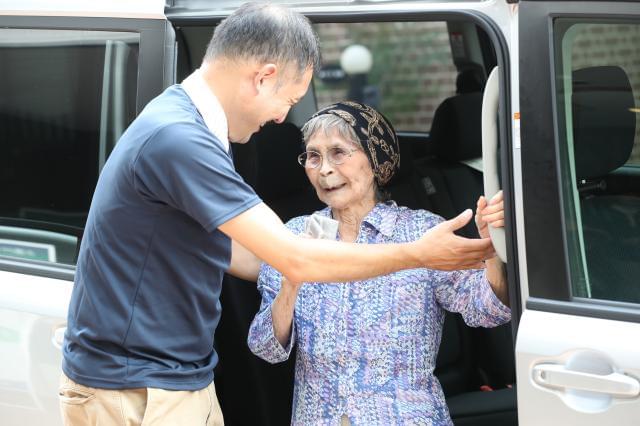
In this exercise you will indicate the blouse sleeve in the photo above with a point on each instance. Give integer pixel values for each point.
(465, 291)
(469, 293)
(262, 340)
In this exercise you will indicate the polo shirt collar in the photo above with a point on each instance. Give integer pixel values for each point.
(208, 106)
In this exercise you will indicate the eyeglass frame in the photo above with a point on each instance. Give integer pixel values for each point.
(348, 154)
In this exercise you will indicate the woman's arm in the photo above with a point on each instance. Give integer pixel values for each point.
(244, 264)
(282, 310)
(497, 279)
(478, 295)
(492, 214)
(262, 339)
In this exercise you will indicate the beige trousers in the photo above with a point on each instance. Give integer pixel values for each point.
(82, 405)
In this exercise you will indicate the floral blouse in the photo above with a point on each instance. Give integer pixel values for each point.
(367, 349)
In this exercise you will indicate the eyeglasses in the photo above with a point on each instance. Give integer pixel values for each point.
(335, 156)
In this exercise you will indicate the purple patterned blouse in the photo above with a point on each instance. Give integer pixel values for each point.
(367, 349)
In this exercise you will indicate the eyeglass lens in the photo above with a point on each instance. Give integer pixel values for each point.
(313, 159)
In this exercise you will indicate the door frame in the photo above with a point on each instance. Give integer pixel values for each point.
(547, 254)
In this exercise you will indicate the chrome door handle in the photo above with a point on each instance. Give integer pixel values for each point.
(614, 384)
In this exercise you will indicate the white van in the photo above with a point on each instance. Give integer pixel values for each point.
(538, 98)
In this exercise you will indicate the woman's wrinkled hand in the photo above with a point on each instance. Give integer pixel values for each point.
(489, 214)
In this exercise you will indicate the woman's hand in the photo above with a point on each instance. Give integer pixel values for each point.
(492, 214)
(290, 286)
(489, 214)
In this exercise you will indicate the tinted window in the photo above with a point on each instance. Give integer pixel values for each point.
(65, 98)
(598, 88)
(405, 69)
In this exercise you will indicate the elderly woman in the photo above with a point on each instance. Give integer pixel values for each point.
(366, 350)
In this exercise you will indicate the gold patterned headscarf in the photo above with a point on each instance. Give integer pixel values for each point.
(375, 134)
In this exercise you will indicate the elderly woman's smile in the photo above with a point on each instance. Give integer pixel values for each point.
(345, 185)
(329, 186)
(329, 182)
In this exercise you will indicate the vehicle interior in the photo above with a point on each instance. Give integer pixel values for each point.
(441, 171)
(58, 131)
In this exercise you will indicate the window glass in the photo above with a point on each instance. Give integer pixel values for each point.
(65, 98)
(405, 69)
(598, 89)
(610, 44)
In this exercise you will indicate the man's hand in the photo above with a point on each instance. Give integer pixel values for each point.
(444, 250)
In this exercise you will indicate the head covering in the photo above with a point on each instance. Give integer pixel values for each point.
(375, 134)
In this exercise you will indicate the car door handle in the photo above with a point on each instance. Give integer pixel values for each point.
(557, 376)
(490, 154)
(58, 337)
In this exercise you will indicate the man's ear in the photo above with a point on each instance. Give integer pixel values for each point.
(265, 76)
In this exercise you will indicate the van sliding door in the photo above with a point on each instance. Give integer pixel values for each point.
(577, 353)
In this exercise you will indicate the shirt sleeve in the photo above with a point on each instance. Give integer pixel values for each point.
(467, 292)
(262, 340)
(185, 167)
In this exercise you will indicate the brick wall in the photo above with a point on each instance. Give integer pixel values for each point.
(413, 70)
(412, 67)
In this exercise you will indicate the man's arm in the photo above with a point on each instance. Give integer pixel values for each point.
(301, 259)
(244, 264)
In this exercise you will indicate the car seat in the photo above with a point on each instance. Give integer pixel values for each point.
(453, 175)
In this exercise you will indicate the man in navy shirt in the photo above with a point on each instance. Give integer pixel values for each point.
(168, 212)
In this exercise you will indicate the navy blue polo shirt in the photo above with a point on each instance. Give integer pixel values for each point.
(145, 302)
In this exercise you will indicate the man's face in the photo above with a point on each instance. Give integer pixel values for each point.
(271, 101)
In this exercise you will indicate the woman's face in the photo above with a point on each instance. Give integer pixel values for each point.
(341, 186)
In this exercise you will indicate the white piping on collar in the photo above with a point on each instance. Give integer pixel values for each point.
(208, 105)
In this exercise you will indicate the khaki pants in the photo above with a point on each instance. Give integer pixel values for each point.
(83, 405)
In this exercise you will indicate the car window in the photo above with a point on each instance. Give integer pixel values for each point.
(67, 96)
(598, 96)
(404, 69)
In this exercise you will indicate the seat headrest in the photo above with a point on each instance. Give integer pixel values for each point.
(278, 172)
(603, 122)
(470, 80)
(407, 156)
(457, 126)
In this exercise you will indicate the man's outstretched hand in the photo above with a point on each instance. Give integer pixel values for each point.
(441, 249)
